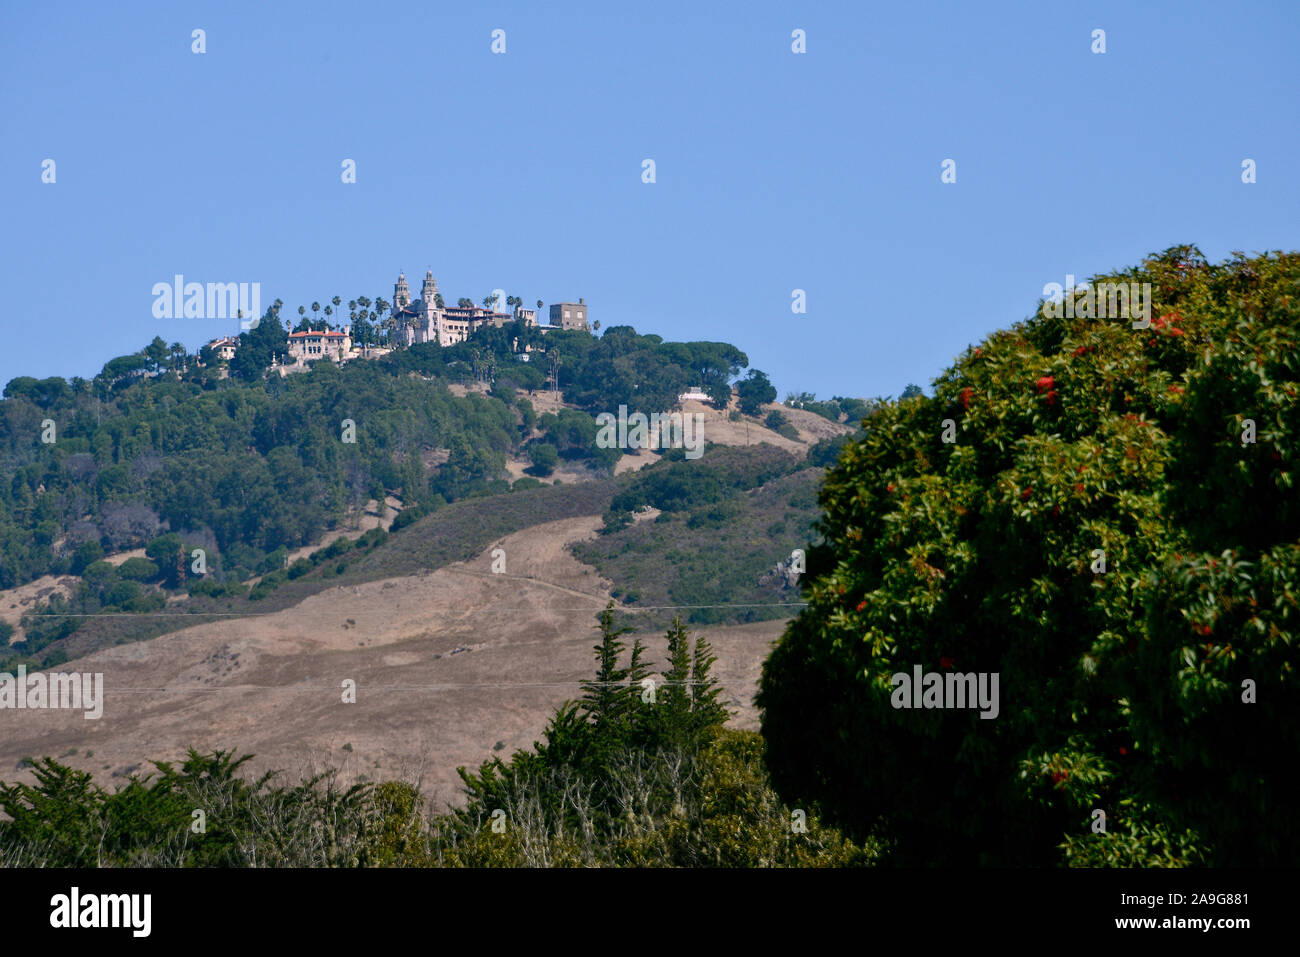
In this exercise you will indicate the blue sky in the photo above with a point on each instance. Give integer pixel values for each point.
(775, 171)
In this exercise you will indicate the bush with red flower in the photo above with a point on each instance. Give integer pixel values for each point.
(1091, 442)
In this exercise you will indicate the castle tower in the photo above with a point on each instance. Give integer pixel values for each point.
(401, 293)
(429, 293)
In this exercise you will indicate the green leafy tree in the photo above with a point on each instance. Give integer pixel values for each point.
(1100, 537)
(544, 457)
(753, 391)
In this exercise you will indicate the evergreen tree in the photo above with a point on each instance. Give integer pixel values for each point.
(673, 714)
(611, 698)
(707, 712)
(602, 696)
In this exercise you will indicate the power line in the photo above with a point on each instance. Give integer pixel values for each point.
(370, 689)
(272, 614)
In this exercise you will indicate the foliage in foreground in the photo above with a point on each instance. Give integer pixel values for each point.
(1111, 536)
(622, 779)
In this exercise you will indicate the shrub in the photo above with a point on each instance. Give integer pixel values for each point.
(544, 457)
(335, 548)
(122, 592)
(85, 554)
(138, 570)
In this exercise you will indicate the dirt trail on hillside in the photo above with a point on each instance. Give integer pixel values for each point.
(447, 664)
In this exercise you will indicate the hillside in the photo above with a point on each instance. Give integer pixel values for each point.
(452, 661)
(100, 527)
(449, 664)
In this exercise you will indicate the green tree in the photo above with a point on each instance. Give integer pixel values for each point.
(753, 391)
(544, 457)
(1099, 537)
(167, 553)
(611, 698)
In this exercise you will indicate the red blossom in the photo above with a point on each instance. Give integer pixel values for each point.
(965, 397)
(1176, 388)
(1024, 496)
(1051, 397)
(1045, 383)
(1080, 351)
(862, 605)
(977, 350)
(1123, 750)
(1079, 487)
(1056, 510)
(1202, 629)
(947, 662)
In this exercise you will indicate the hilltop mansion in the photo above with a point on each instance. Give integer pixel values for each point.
(427, 320)
(414, 321)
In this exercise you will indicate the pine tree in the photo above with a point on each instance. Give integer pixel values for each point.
(604, 697)
(707, 712)
(612, 698)
(674, 710)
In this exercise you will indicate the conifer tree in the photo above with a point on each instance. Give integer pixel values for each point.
(707, 712)
(611, 698)
(673, 714)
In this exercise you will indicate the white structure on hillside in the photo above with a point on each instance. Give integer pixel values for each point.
(225, 347)
(310, 346)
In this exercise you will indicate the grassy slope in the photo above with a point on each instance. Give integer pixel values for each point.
(696, 559)
(714, 555)
(456, 532)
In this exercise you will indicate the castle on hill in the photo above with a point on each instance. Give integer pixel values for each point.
(427, 319)
(415, 321)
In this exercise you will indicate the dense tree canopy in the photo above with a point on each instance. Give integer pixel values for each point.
(1113, 529)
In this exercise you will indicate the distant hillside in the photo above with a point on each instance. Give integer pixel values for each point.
(715, 533)
(214, 486)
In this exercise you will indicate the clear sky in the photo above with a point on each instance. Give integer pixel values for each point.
(775, 171)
